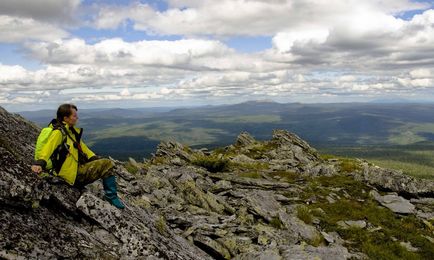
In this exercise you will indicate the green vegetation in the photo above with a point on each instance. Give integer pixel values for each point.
(316, 241)
(141, 202)
(276, 223)
(217, 162)
(213, 163)
(412, 169)
(303, 213)
(354, 203)
(327, 156)
(410, 133)
(377, 244)
(246, 166)
(416, 160)
(160, 224)
(161, 130)
(349, 165)
(250, 174)
(345, 182)
(406, 137)
(223, 152)
(258, 150)
(287, 176)
(131, 168)
(158, 160)
(247, 119)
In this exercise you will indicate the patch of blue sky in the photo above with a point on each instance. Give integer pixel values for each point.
(125, 32)
(160, 5)
(407, 16)
(249, 44)
(325, 74)
(13, 54)
(410, 14)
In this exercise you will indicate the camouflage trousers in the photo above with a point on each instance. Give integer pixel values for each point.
(92, 171)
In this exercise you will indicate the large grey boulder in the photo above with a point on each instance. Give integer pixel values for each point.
(394, 202)
(174, 153)
(307, 252)
(244, 139)
(393, 180)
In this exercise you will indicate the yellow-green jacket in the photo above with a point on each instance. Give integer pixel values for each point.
(69, 168)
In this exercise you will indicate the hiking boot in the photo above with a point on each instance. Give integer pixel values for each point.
(110, 189)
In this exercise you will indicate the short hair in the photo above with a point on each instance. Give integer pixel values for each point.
(65, 110)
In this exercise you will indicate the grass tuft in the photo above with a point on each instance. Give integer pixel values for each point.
(212, 163)
(276, 223)
(303, 213)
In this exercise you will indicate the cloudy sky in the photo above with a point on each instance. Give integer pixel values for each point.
(98, 53)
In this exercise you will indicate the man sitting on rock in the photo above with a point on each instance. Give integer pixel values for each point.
(68, 157)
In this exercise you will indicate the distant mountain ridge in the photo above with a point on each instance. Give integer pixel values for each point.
(324, 125)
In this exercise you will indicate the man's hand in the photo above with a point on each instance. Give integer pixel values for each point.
(36, 169)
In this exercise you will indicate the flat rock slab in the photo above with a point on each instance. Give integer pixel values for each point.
(307, 252)
(263, 204)
(394, 202)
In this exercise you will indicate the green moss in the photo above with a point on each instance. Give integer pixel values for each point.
(313, 189)
(414, 169)
(187, 149)
(287, 176)
(213, 163)
(158, 160)
(243, 217)
(303, 213)
(253, 166)
(349, 165)
(346, 182)
(250, 174)
(316, 241)
(250, 170)
(377, 245)
(327, 156)
(161, 226)
(359, 206)
(142, 203)
(35, 204)
(276, 223)
(225, 152)
(258, 150)
(131, 168)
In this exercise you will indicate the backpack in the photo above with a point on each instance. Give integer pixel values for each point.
(58, 157)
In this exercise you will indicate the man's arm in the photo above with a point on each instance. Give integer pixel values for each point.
(91, 155)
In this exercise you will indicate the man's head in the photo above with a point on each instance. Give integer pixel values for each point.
(67, 113)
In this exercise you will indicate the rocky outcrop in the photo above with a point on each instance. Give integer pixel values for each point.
(393, 180)
(172, 152)
(15, 136)
(274, 199)
(244, 139)
(394, 202)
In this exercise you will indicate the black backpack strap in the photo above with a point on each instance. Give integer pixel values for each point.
(77, 134)
(82, 157)
(60, 153)
(53, 122)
